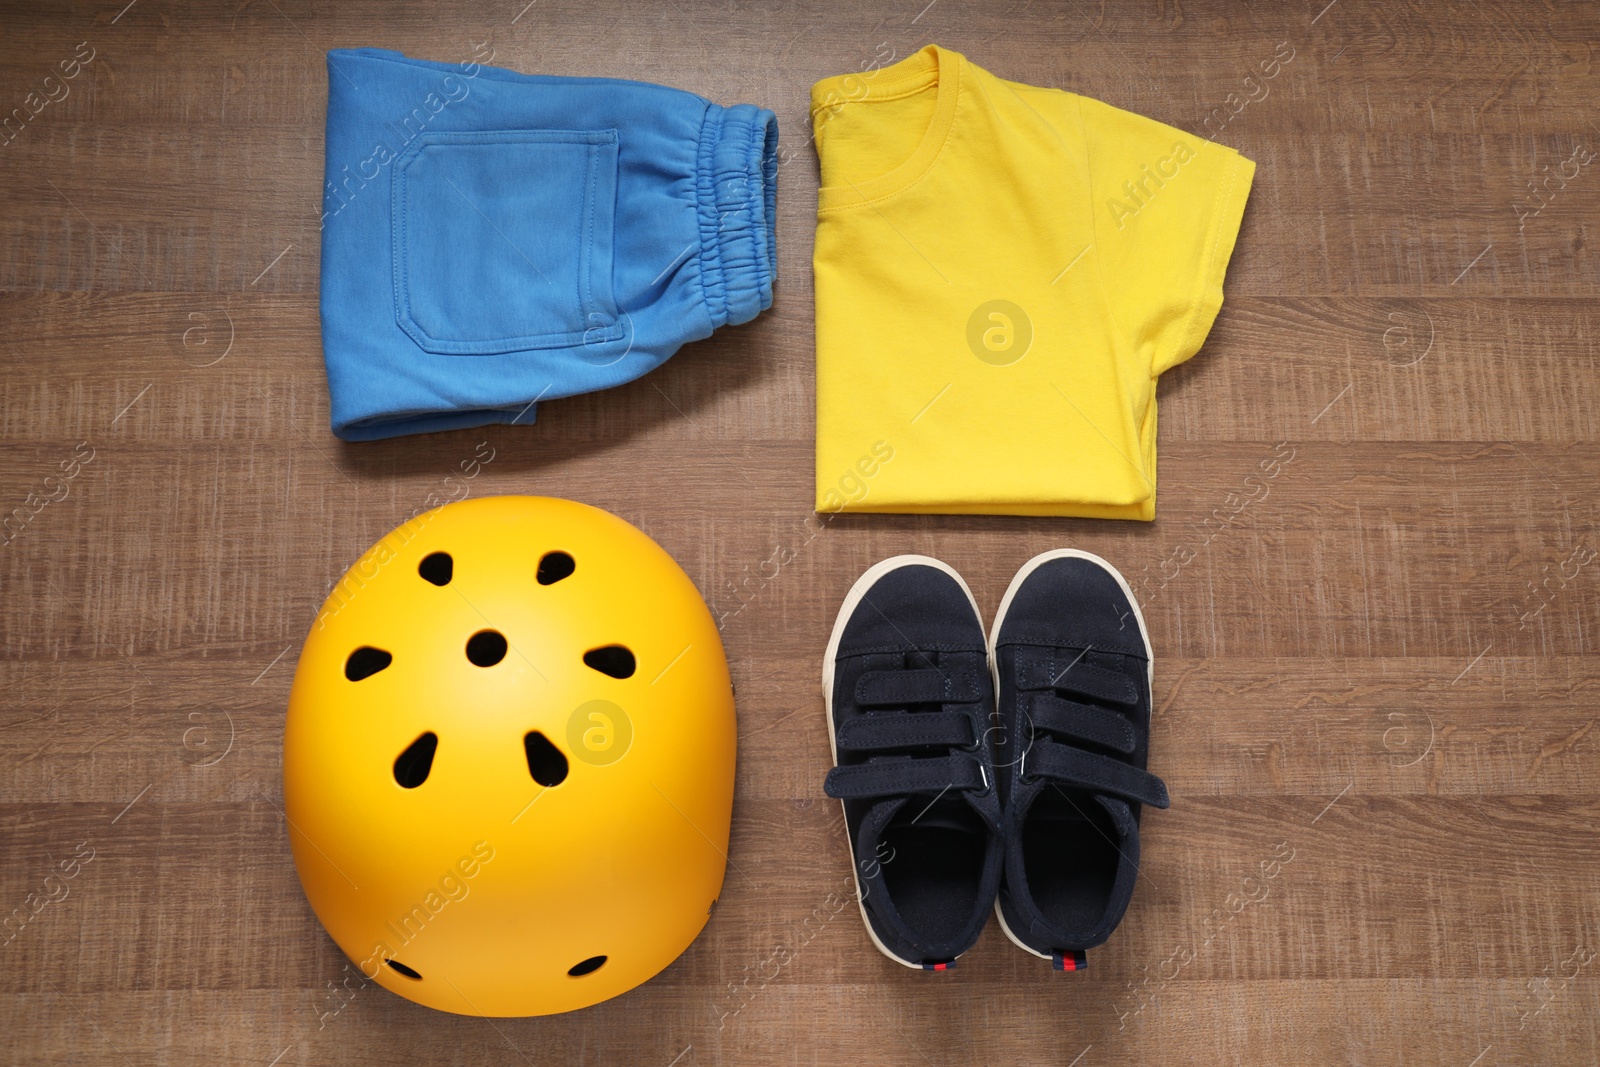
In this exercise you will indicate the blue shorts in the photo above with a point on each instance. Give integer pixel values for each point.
(492, 239)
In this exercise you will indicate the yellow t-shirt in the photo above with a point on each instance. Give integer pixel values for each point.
(1002, 271)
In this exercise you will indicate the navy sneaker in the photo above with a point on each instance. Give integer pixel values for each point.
(909, 696)
(1073, 673)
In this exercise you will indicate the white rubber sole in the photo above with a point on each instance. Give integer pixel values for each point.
(994, 663)
(851, 601)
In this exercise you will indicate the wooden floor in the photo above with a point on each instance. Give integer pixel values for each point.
(1378, 681)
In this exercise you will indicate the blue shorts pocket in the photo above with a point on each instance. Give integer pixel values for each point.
(503, 240)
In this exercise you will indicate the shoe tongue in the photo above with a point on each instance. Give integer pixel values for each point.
(921, 815)
(1121, 814)
(875, 822)
(922, 811)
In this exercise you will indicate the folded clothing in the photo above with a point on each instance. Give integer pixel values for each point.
(493, 239)
(1002, 272)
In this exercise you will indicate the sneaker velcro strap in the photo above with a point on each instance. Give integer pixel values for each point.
(918, 685)
(901, 775)
(1096, 773)
(904, 729)
(1080, 722)
(1039, 669)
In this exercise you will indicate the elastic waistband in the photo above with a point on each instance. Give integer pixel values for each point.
(737, 197)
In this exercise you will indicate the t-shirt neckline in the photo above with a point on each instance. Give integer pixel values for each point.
(931, 65)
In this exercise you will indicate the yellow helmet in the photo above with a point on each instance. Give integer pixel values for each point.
(508, 761)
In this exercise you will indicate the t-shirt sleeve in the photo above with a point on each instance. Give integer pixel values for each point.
(1166, 207)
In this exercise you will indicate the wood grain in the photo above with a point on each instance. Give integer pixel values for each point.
(1386, 665)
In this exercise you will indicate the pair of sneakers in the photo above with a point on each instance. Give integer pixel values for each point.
(1004, 774)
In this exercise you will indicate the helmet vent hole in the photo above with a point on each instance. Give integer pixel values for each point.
(411, 767)
(588, 966)
(366, 661)
(545, 761)
(437, 568)
(554, 566)
(486, 648)
(614, 660)
(400, 968)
